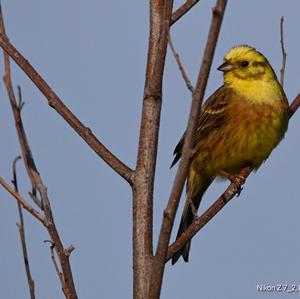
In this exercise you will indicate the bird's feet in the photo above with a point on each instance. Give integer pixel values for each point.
(237, 180)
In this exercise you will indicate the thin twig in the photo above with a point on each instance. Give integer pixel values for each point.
(170, 211)
(16, 108)
(69, 250)
(24, 203)
(294, 105)
(37, 184)
(58, 272)
(20, 104)
(182, 10)
(55, 102)
(200, 221)
(180, 65)
(283, 64)
(21, 228)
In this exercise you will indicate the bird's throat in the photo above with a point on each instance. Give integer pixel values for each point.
(256, 91)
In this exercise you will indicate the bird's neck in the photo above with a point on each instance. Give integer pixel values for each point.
(256, 91)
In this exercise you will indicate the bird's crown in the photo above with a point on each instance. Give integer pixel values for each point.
(245, 52)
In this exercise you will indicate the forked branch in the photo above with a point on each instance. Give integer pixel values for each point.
(55, 102)
(24, 203)
(37, 184)
(182, 10)
(170, 211)
(21, 228)
(199, 222)
(228, 194)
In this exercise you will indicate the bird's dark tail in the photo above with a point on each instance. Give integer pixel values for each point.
(188, 216)
(186, 220)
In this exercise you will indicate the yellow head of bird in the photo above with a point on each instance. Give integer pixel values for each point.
(245, 63)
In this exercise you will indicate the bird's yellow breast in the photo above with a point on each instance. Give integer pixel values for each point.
(262, 91)
(247, 138)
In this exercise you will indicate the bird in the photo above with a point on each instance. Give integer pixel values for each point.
(238, 126)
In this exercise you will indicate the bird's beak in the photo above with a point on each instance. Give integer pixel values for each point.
(226, 67)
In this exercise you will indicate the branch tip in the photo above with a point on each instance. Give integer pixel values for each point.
(283, 52)
(69, 250)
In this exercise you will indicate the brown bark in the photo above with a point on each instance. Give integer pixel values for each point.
(55, 102)
(170, 211)
(160, 14)
(148, 270)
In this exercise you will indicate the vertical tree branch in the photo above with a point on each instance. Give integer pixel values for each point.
(56, 267)
(37, 184)
(228, 194)
(170, 211)
(30, 167)
(282, 70)
(21, 228)
(143, 181)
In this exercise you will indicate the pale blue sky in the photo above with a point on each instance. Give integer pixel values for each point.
(93, 55)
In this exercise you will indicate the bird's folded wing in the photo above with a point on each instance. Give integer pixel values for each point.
(213, 115)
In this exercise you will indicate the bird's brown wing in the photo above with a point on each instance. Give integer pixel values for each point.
(212, 116)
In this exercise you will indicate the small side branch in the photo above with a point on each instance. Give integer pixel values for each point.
(24, 203)
(185, 77)
(182, 10)
(199, 222)
(37, 184)
(21, 228)
(294, 105)
(55, 102)
(282, 70)
(58, 272)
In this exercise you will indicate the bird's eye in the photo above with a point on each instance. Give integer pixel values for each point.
(244, 63)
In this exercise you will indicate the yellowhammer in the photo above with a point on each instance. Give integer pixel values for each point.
(239, 126)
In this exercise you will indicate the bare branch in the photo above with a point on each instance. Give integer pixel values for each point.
(20, 104)
(294, 105)
(58, 272)
(14, 180)
(180, 65)
(199, 222)
(17, 112)
(170, 211)
(69, 250)
(282, 70)
(182, 10)
(24, 203)
(160, 15)
(37, 184)
(55, 102)
(228, 194)
(21, 228)
(68, 285)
